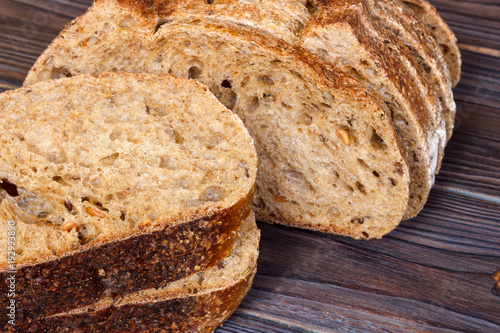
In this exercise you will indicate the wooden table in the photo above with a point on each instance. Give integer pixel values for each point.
(434, 273)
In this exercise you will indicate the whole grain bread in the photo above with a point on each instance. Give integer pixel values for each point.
(329, 157)
(199, 303)
(347, 34)
(115, 184)
(441, 32)
(344, 33)
(395, 16)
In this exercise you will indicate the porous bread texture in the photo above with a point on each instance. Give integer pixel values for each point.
(346, 37)
(329, 157)
(88, 160)
(419, 116)
(345, 34)
(395, 16)
(198, 303)
(428, 15)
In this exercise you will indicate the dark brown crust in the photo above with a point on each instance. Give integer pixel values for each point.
(200, 313)
(410, 28)
(397, 72)
(139, 262)
(427, 13)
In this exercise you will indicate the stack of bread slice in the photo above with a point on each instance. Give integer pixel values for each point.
(349, 101)
(127, 201)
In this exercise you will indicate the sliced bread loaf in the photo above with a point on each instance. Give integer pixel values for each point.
(395, 16)
(349, 34)
(329, 157)
(437, 27)
(344, 34)
(338, 31)
(116, 184)
(198, 303)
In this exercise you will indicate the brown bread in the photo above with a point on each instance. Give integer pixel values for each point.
(199, 303)
(115, 185)
(329, 157)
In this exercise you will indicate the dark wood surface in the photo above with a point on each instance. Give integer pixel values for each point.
(434, 273)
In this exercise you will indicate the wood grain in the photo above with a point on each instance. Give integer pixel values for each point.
(472, 158)
(434, 273)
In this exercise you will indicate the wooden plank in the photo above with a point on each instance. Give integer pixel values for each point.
(339, 309)
(26, 28)
(472, 165)
(480, 81)
(318, 315)
(480, 49)
(432, 273)
(245, 322)
(472, 158)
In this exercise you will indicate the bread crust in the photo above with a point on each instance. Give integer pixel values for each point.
(126, 265)
(198, 313)
(179, 308)
(428, 15)
(398, 18)
(142, 258)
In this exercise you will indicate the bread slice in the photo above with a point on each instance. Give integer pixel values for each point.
(198, 303)
(344, 34)
(116, 184)
(443, 35)
(329, 157)
(348, 34)
(395, 16)
(404, 60)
